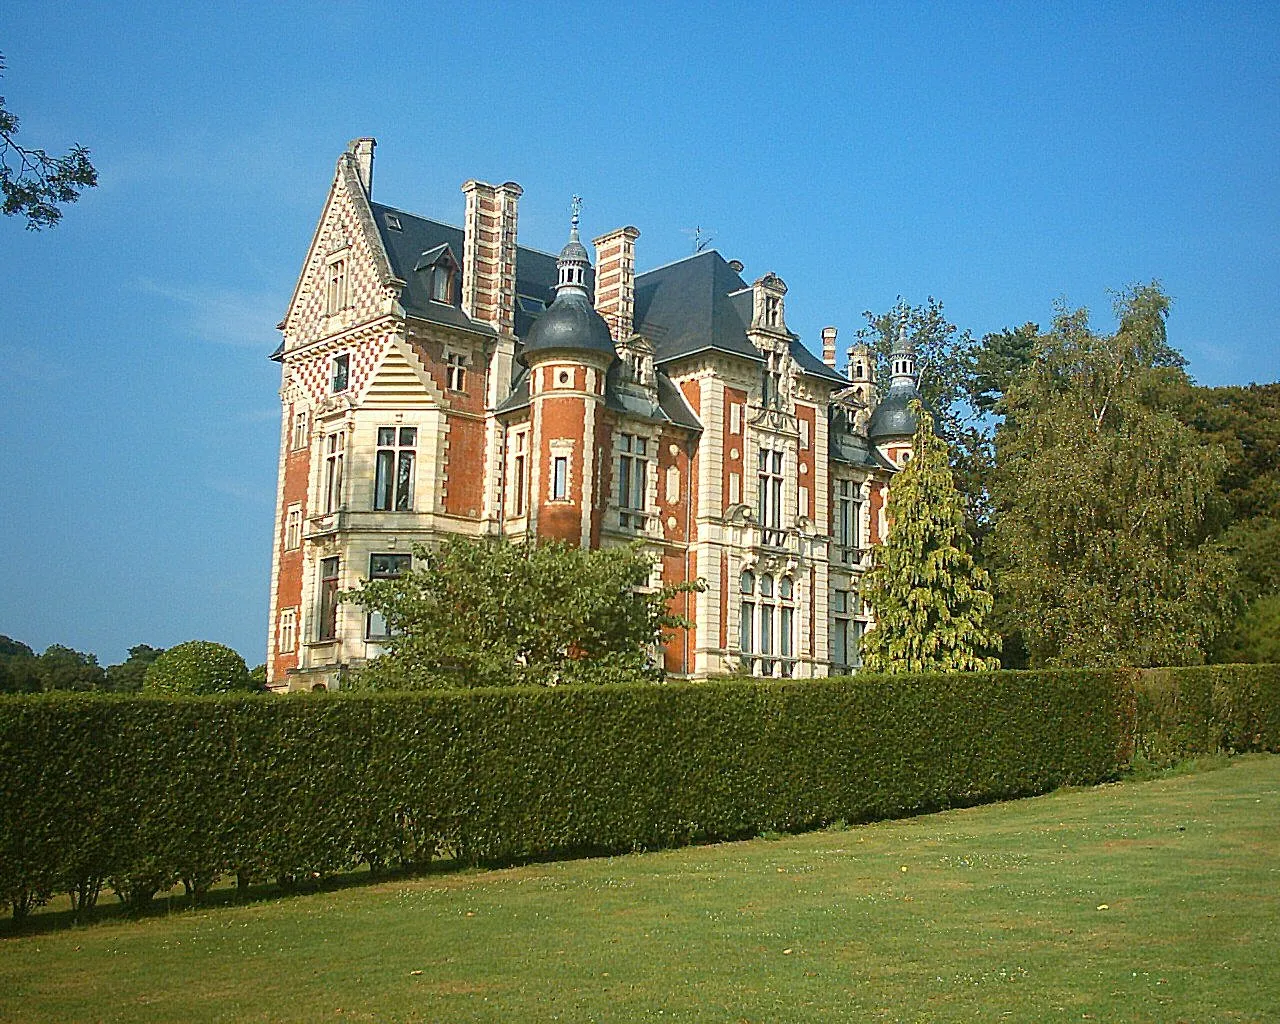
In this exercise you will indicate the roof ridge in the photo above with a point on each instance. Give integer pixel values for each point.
(453, 227)
(682, 259)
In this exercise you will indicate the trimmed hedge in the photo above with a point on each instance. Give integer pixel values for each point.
(1182, 712)
(139, 792)
(142, 791)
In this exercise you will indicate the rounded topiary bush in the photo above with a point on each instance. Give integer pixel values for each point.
(198, 666)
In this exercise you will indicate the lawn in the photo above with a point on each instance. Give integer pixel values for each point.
(1152, 900)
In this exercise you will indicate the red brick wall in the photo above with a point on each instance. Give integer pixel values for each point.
(877, 503)
(297, 470)
(807, 414)
(562, 417)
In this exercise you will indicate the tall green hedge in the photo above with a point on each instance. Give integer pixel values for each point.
(1182, 712)
(139, 792)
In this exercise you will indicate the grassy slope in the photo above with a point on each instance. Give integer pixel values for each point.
(991, 913)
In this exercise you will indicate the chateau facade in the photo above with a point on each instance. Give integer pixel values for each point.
(440, 380)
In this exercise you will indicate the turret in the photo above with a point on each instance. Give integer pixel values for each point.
(568, 351)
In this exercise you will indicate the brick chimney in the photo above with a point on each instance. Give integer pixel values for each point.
(489, 254)
(616, 280)
(829, 346)
(362, 150)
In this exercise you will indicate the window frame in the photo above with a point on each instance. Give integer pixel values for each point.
(455, 370)
(767, 616)
(301, 430)
(330, 572)
(339, 373)
(770, 479)
(395, 470)
(404, 563)
(287, 631)
(632, 491)
(335, 456)
(293, 526)
(336, 289)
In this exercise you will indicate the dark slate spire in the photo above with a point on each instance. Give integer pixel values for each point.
(893, 417)
(570, 323)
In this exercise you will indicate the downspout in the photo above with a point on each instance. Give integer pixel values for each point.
(688, 547)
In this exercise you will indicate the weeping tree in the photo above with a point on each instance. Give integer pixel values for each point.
(930, 598)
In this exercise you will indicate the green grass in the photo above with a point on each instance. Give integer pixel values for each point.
(1154, 900)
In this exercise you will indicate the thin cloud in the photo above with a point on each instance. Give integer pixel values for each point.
(223, 317)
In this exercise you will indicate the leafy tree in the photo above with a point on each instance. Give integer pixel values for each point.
(19, 667)
(62, 668)
(1255, 636)
(482, 614)
(199, 667)
(930, 598)
(996, 363)
(32, 182)
(1102, 539)
(128, 676)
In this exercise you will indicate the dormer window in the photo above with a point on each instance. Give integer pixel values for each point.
(772, 307)
(442, 284)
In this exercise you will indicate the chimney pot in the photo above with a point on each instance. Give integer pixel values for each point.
(362, 150)
(829, 346)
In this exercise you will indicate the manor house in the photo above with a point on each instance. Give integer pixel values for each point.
(440, 380)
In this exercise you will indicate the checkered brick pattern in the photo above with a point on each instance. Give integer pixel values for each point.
(365, 296)
(313, 375)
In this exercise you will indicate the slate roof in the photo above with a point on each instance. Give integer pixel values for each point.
(850, 448)
(701, 303)
(419, 236)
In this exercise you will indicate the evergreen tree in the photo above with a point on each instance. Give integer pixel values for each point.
(930, 598)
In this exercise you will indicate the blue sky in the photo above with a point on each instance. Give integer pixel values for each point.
(999, 157)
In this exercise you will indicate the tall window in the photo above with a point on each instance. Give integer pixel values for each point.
(340, 375)
(288, 637)
(327, 604)
(393, 473)
(766, 625)
(560, 478)
(769, 499)
(772, 381)
(293, 527)
(848, 512)
(456, 371)
(518, 463)
(633, 466)
(384, 567)
(846, 631)
(299, 429)
(336, 296)
(335, 450)
(442, 283)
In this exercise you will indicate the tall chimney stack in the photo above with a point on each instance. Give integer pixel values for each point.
(829, 346)
(489, 253)
(362, 150)
(616, 280)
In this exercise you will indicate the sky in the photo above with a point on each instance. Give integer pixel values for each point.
(1000, 157)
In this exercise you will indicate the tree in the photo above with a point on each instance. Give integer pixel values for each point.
(487, 614)
(62, 668)
(19, 667)
(198, 667)
(33, 182)
(1102, 545)
(128, 676)
(930, 598)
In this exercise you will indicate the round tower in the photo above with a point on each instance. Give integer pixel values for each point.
(893, 425)
(568, 352)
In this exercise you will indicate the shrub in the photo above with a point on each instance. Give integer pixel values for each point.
(1183, 712)
(198, 667)
(146, 790)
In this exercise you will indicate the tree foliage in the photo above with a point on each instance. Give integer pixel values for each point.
(930, 598)
(482, 614)
(1103, 539)
(128, 676)
(34, 183)
(197, 667)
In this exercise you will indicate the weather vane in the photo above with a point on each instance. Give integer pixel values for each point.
(576, 206)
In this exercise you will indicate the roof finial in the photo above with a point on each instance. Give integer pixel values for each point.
(576, 206)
